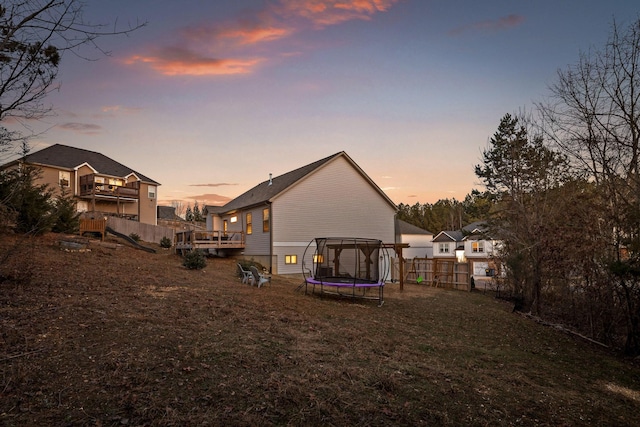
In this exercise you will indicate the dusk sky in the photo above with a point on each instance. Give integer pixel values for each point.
(212, 96)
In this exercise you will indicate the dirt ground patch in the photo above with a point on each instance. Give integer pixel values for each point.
(115, 336)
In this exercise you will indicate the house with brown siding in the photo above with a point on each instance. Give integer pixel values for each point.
(97, 182)
(332, 197)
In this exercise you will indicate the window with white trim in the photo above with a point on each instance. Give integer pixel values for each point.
(291, 259)
(152, 191)
(265, 220)
(64, 178)
(477, 246)
(443, 248)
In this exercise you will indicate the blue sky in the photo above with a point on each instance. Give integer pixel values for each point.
(210, 97)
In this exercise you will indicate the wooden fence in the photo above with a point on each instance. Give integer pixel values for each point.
(434, 272)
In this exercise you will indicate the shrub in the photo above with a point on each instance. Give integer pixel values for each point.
(165, 242)
(135, 237)
(194, 260)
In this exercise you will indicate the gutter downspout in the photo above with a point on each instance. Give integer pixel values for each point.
(270, 237)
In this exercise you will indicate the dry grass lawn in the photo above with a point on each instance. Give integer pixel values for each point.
(122, 337)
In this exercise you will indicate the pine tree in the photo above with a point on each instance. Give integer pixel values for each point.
(197, 214)
(67, 218)
(522, 174)
(188, 216)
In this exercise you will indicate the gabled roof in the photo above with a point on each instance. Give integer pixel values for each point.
(475, 227)
(65, 157)
(477, 231)
(449, 236)
(407, 228)
(267, 190)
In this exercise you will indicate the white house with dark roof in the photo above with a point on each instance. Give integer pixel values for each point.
(480, 250)
(332, 197)
(420, 241)
(97, 182)
(446, 243)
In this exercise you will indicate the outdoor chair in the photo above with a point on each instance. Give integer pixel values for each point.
(247, 276)
(259, 278)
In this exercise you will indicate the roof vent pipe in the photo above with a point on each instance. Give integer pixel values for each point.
(270, 180)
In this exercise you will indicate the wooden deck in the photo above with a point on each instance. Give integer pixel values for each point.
(205, 240)
(91, 188)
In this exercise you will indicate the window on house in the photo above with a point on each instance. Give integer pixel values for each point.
(65, 178)
(265, 220)
(477, 247)
(291, 259)
(225, 226)
(249, 224)
(443, 248)
(234, 219)
(152, 191)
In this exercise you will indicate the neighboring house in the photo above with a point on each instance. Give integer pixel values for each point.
(447, 243)
(167, 217)
(480, 250)
(332, 197)
(167, 213)
(98, 183)
(420, 241)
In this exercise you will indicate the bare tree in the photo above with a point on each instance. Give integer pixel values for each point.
(179, 207)
(34, 36)
(593, 115)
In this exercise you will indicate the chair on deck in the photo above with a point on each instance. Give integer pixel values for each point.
(247, 276)
(258, 278)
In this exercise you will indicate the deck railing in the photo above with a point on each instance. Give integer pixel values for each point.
(193, 239)
(89, 187)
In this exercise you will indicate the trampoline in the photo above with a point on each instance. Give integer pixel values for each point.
(346, 266)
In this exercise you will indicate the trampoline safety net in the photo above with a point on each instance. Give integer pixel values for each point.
(345, 260)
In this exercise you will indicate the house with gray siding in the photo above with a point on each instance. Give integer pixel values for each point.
(332, 197)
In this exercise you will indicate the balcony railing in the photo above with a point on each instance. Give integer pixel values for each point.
(193, 239)
(91, 188)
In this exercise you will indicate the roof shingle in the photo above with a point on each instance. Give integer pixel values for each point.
(64, 156)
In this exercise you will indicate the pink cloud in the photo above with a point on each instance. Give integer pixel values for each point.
(332, 12)
(83, 128)
(210, 199)
(242, 34)
(172, 61)
(209, 50)
(221, 184)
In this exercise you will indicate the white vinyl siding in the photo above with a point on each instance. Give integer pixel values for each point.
(487, 249)
(334, 201)
(444, 248)
(420, 245)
